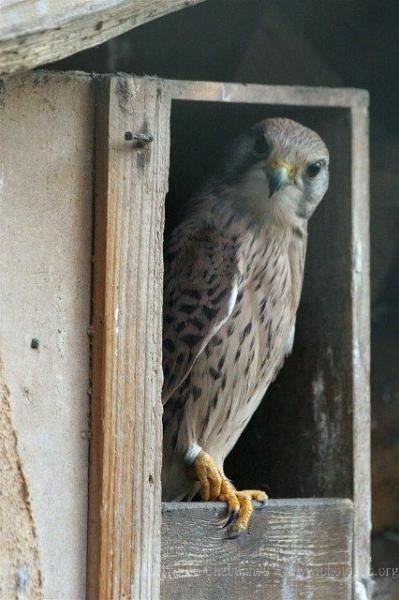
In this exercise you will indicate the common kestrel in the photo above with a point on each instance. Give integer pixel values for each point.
(233, 279)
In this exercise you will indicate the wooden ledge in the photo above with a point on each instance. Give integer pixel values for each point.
(293, 548)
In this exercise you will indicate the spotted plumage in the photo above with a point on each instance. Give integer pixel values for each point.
(233, 278)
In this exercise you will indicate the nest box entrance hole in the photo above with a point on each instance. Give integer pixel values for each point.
(299, 441)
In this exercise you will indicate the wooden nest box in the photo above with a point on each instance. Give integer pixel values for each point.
(67, 163)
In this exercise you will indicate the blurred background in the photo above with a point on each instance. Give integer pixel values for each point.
(351, 43)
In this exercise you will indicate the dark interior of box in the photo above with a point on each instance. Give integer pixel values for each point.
(299, 442)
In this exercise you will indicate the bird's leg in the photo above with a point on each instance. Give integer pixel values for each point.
(215, 486)
(205, 470)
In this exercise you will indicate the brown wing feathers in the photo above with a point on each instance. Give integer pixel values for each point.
(200, 289)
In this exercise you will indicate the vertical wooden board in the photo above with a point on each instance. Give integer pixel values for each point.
(126, 450)
(46, 209)
(298, 549)
(360, 293)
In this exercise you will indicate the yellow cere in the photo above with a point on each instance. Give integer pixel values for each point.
(278, 163)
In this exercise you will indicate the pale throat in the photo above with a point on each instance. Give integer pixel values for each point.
(251, 197)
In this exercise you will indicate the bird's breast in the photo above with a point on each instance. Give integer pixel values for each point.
(244, 357)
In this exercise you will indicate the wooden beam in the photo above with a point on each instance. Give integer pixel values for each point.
(360, 335)
(125, 488)
(282, 95)
(295, 549)
(35, 32)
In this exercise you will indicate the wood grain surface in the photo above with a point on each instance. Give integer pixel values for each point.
(360, 338)
(295, 549)
(282, 95)
(321, 415)
(46, 193)
(35, 32)
(126, 450)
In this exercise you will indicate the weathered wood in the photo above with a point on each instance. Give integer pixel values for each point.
(125, 457)
(35, 32)
(20, 563)
(360, 332)
(295, 549)
(314, 437)
(282, 95)
(46, 133)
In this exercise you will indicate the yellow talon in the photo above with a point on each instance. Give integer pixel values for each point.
(245, 498)
(215, 486)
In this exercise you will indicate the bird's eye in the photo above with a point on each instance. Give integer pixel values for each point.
(314, 169)
(261, 145)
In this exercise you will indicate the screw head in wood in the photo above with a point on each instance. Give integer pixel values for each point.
(139, 139)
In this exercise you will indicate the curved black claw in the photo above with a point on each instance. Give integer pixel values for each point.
(259, 505)
(235, 533)
(232, 517)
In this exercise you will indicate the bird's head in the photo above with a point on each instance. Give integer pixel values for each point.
(278, 167)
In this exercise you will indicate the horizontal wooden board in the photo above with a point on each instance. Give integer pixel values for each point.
(212, 91)
(298, 549)
(34, 32)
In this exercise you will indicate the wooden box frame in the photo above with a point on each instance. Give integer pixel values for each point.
(131, 183)
(330, 364)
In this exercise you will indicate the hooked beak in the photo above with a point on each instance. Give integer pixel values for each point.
(281, 174)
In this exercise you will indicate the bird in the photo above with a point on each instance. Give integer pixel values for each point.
(233, 273)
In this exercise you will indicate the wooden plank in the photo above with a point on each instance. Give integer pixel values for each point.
(284, 95)
(295, 549)
(360, 303)
(46, 133)
(126, 450)
(35, 32)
